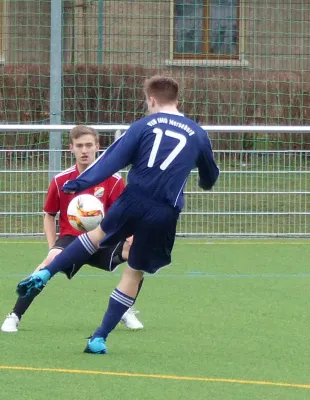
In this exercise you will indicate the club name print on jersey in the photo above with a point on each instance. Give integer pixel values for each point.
(172, 122)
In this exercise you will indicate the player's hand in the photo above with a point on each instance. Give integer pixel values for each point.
(69, 187)
(129, 240)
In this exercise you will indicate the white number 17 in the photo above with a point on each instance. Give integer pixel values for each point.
(159, 135)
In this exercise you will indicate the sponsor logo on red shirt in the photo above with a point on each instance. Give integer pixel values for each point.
(98, 191)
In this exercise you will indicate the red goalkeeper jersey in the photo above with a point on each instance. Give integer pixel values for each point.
(57, 201)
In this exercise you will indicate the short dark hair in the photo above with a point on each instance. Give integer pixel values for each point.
(81, 130)
(162, 88)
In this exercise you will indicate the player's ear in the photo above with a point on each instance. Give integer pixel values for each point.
(71, 147)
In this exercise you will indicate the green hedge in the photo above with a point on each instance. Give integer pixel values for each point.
(113, 94)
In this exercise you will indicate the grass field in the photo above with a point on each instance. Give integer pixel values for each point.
(229, 320)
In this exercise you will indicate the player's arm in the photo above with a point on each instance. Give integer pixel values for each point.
(119, 155)
(51, 208)
(49, 225)
(207, 168)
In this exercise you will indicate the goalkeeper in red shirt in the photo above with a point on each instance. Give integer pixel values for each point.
(84, 143)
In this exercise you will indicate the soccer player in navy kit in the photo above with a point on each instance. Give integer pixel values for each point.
(162, 149)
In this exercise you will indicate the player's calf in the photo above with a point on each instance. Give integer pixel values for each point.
(50, 257)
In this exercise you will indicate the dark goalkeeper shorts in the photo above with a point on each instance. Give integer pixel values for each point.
(106, 258)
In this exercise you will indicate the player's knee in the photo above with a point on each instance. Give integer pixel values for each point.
(96, 236)
(131, 274)
(125, 251)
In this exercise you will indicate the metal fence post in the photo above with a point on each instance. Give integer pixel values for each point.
(100, 32)
(55, 86)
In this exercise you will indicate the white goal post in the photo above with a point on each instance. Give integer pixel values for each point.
(122, 128)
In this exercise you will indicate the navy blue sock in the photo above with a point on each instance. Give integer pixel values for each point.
(118, 305)
(77, 253)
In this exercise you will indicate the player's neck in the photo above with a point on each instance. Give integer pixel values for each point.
(81, 168)
(169, 110)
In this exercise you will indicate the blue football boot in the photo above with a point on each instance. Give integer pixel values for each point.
(33, 284)
(96, 346)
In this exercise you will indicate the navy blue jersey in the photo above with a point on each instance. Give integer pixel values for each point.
(162, 149)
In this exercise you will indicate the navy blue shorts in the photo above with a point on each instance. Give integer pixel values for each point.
(153, 225)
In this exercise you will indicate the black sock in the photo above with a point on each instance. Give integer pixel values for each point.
(23, 303)
(139, 288)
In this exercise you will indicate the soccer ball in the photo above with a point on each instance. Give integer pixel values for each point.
(85, 212)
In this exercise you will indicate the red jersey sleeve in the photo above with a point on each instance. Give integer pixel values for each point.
(115, 191)
(52, 203)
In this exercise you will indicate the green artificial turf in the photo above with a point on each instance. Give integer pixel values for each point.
(236, 311)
